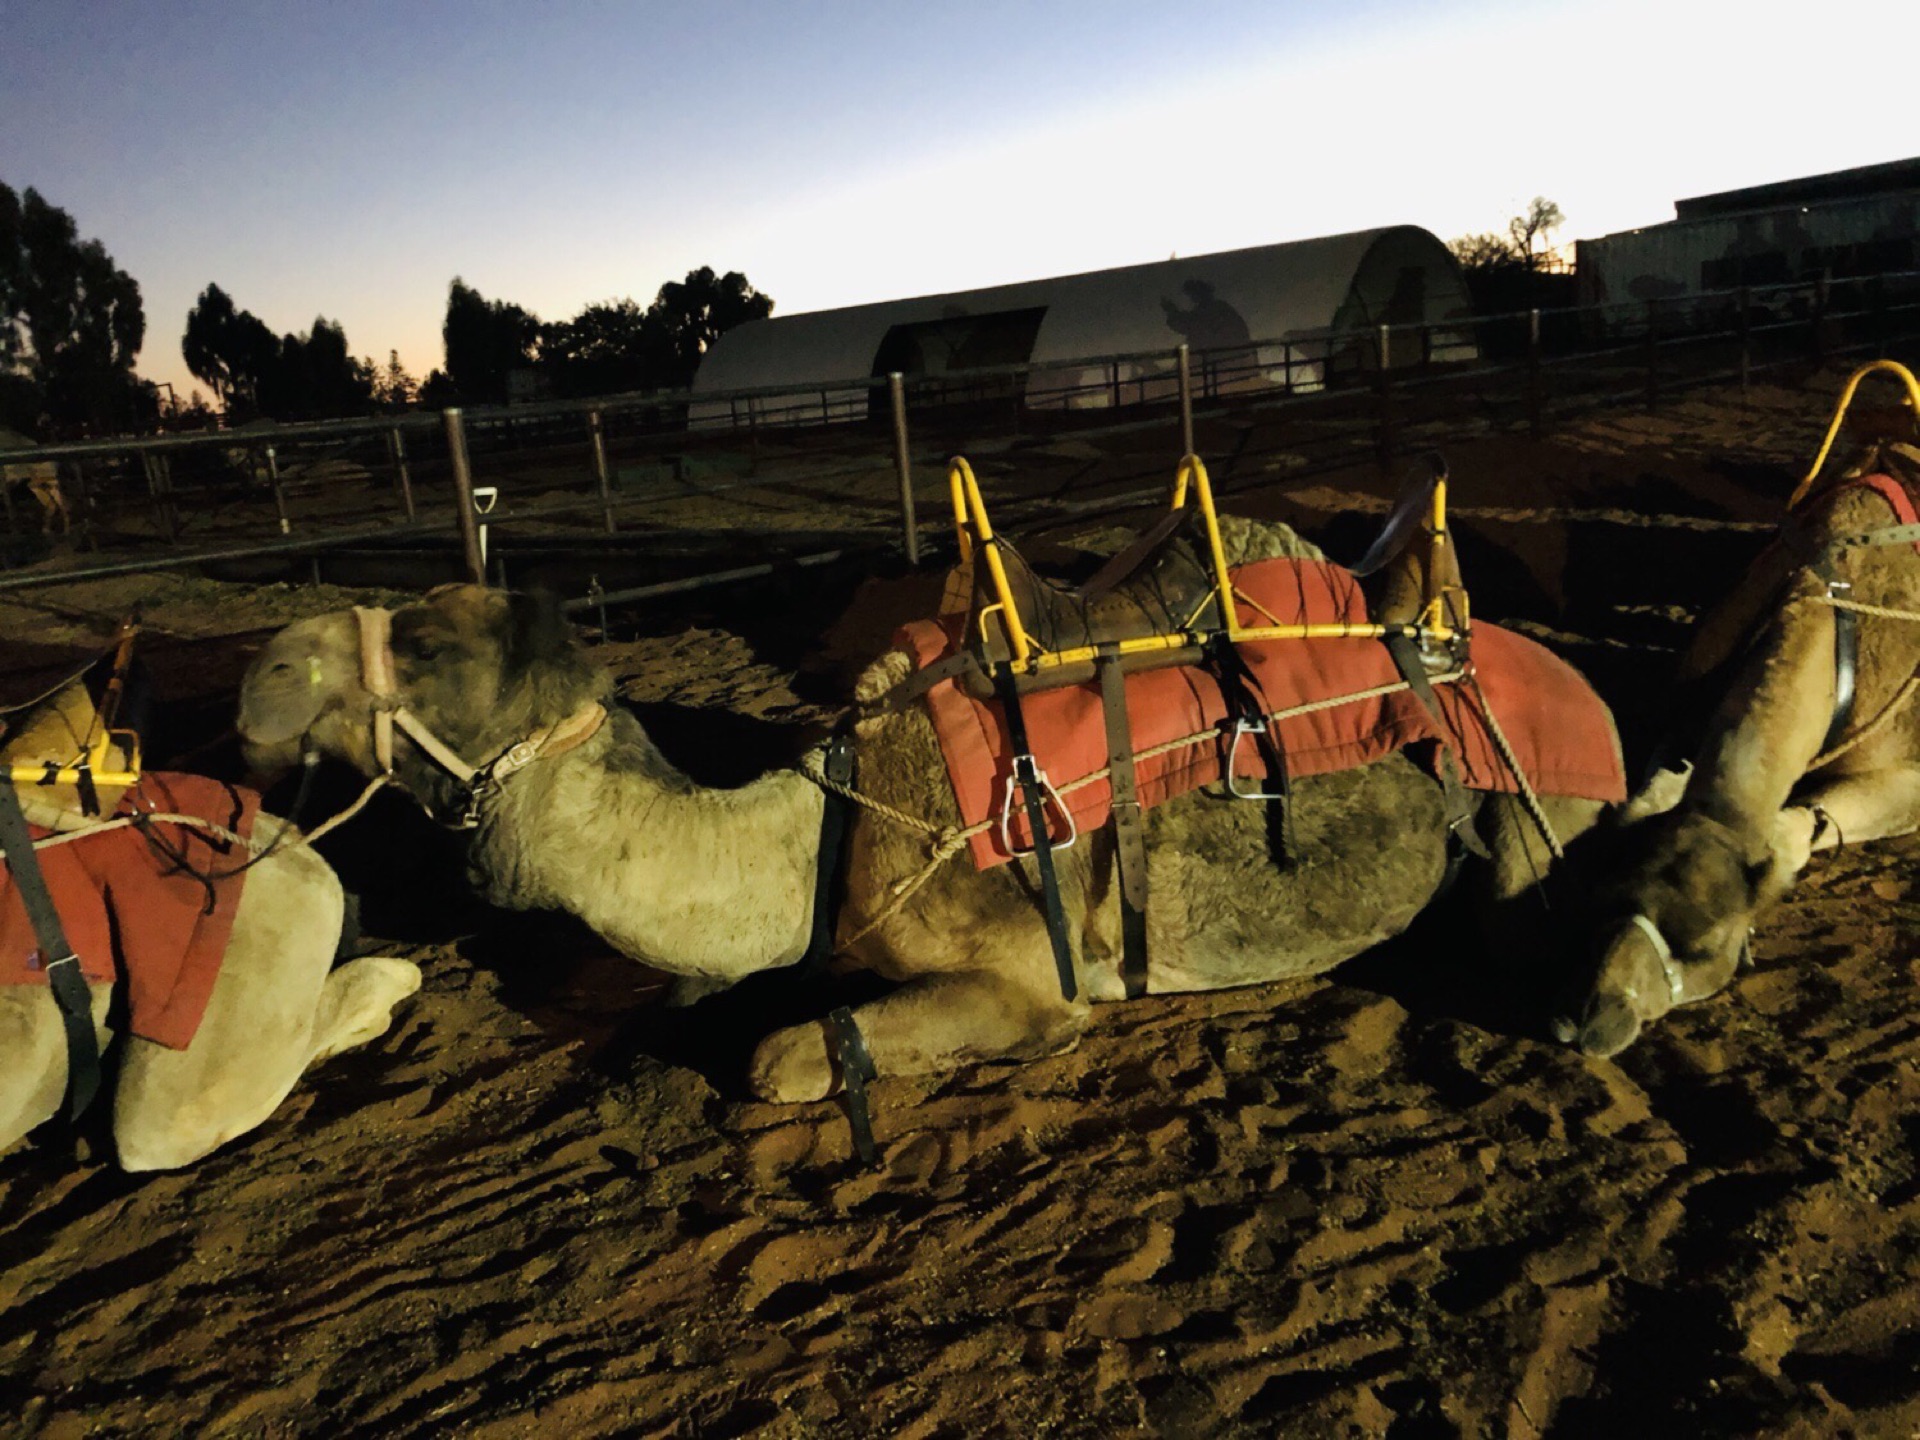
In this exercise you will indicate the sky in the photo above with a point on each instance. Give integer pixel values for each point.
(346, 159)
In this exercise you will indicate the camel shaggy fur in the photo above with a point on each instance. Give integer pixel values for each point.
(719, 884)
(1765, 790)
(279, 1005)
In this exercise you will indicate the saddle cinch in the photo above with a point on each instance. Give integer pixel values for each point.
(1169, 599)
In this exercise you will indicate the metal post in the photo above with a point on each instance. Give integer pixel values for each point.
(1113, 382)
(600, 473)
(1746, 344)
(463, 494)
(1535, 404)
(1183, 358)
(156, 491)
(903, 462)
(1877, 306)
(279, 495)
(398, 444)
(1653, 353)
(753, 436)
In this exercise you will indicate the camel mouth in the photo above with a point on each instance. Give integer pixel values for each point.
(1610, 1027)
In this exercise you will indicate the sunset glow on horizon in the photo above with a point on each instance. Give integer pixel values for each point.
(350, 160)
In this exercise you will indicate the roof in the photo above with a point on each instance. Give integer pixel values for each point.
(1852, 184)
(1268, 292)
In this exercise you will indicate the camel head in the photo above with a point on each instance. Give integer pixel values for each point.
(479, 668)
(1675, 925)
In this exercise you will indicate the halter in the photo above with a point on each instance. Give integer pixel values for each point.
(389, 711)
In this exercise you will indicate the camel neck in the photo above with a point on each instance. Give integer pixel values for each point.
(691, 880)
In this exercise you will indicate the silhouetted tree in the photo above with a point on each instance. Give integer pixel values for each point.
(607, 348)
(437, 392)
(311, 376)
(615, 345)
(700, 309)
(393, 387)
(71, 322)
(484, 340)
(232, 350)
(1509, 272)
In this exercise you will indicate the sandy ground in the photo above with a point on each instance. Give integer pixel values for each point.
(1378, 1204)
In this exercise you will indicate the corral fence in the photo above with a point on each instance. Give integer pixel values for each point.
(662, 492)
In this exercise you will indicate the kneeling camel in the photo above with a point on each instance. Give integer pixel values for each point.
(581, 812)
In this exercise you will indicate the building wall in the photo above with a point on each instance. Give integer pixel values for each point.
(1238, 311)
(1868, 236)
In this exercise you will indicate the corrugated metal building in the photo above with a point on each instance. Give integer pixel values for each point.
(1258, 317)
(1848, 223)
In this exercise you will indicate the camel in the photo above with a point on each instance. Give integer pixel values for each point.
(40, 479)
(716, 885)
(279, 1005)
(1719, 841)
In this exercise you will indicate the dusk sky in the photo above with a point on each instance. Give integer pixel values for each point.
(346, 159)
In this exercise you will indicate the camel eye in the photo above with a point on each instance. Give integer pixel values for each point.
(421, 643)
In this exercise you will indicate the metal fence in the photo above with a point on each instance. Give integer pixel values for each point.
(664, 491)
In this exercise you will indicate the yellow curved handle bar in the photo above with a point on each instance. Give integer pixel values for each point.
(1888, 367)
(975, 532)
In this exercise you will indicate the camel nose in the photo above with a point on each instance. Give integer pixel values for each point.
(1611, 1028)
(1565, 1029)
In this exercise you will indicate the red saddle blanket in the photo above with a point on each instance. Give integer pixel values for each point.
(1557, 726)
(132, 914)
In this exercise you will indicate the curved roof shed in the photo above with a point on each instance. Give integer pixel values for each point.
(1247, 306)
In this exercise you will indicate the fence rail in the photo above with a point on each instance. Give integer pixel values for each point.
(691, 478)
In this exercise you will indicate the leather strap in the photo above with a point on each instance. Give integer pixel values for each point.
(1459, 803)
(1129, 833)
(838, 765)
(856, 1073)
(1026, 774)
(69, 986)
(1846, 656)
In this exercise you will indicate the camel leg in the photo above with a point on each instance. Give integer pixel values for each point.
(356, 1003)
(276, 1006)
(927, 1025)
(1875, 806)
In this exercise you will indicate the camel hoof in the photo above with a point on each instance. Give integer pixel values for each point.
(791, 1066)
(1610, 1029)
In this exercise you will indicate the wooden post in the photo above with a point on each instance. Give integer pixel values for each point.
(903, 462)
(1653, 353)
(463, 494)
(397, 443)
(600, 473)
(1535, 401)
(1183, 359)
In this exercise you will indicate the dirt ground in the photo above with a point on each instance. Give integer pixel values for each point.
(1376, 1204)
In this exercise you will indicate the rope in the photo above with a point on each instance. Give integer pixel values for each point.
(1527, 798)
(1862, 608)
(254, 843)
(950, 840)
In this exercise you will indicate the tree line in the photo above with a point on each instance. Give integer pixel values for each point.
(72, 324)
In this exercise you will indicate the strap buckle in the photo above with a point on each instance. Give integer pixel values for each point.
(1030, 778)
(1259, 730)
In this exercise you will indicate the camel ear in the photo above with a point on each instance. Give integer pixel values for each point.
(1663, 791)
(537, 629)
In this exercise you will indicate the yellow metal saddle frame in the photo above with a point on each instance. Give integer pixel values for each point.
(1443, 615)
(67, 738)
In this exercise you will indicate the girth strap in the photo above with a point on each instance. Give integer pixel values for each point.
(1032, 783)
(1129, 832)
(1846, 656)
(69, 986)
(1459, 803)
